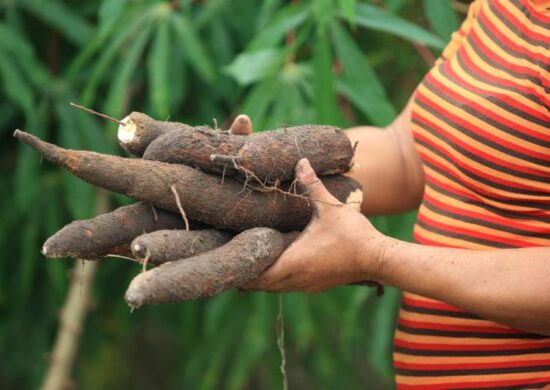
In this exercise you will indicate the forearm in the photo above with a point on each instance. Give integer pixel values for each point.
(508, 286)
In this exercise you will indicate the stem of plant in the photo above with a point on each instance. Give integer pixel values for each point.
(89, 110)
(281, 341)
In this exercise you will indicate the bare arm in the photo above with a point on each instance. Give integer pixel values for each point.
(388, 166)
(508, 286)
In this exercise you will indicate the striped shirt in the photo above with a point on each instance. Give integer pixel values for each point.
(481, 124)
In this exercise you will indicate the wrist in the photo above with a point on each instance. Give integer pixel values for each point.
(374, 257)
(395, 262)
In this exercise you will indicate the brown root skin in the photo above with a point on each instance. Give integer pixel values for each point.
(230, 266)
(139, 130)
(228, 205)
(270, 155)
(169, 245)
(109, 233)
(194, 148)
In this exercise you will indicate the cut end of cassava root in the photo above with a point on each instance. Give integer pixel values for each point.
(355, 198)
(138, 251)
(139, 130)
(127, 130)
(45, 251)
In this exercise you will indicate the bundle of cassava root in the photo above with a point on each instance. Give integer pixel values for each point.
(215, 208)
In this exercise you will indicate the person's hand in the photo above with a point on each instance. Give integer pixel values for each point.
(339, 246)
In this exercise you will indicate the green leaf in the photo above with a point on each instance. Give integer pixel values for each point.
(223, 50)
(193, 47)
(401, 226)
(395, 5)
(288, 107)
(254, 343)
(326, 105)
(119, 92)
(297, 311)
(324, 11)
(210, 10)
(56, 270)
(91, 134)
(267, 9)
(7, 113)
(178, 75)
(215, 311)
(383, 325)
(15, 86)
(158, 68)
(108, 53)
(110, 12)
(348, 10)
(359, 82)
(75, 28)
(248, 68)
(286, 19)
(78, 194)
(375, 18)
(26, 178)
(357, 300)
(258, 101)
(27, 171)
(14, 41)
(29, 255)
(442, 17)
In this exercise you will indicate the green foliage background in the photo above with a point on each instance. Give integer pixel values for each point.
(344, 62)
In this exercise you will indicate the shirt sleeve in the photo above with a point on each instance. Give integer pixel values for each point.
(458, 36)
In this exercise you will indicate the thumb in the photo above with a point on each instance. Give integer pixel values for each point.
(242, 125)
(315, 189)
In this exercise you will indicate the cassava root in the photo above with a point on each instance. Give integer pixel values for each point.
(228, 205)
(109, 233)
(169, 245)
(270, 156)
(138, 130)
(208, 274)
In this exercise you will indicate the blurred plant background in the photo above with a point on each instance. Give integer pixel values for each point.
(340, 62)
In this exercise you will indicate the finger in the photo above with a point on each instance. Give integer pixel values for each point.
(314, 187)
(270, 276)
(251, 285)
(242, 125)
(262, 283)
(287, 285)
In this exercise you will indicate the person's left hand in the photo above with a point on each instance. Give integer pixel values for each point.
(339, 246)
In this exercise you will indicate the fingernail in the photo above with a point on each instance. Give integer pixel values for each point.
(243, 119)
(303, 167)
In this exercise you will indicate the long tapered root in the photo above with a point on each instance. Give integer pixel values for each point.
(230, 266)
(204, 198)
(109, 233)
(51, 152)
